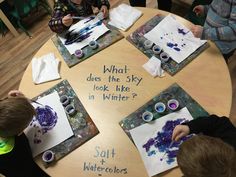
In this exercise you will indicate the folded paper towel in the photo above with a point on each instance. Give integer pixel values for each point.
(45, 68)
(153, 66)
(123, 16)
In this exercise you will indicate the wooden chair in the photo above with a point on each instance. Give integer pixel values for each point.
(23, 8)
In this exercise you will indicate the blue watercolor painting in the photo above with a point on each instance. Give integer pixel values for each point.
(84, 33)
(162, 140)
(44, 121)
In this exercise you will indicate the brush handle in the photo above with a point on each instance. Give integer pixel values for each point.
(37, 103)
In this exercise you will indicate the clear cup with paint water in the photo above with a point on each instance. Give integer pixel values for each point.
(160, 107)
(173, 104)
(164, 57)
(148, 44)
(70, 109)
(156, 49)
(147, 116)
(65, 100)
(79, 53)
(48, 156)
(93, 44)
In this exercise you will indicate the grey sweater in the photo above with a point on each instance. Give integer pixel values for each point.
(220, 24)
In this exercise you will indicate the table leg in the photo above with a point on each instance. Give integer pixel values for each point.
(8, 23)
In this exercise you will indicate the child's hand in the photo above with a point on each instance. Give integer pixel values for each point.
(67, 20)
(197, 30)
(15, 93)
(199, 10)
(105, 11)
(179, 132)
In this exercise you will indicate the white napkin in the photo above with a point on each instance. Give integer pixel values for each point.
(153, 67)
(45, 68)
(123, 16)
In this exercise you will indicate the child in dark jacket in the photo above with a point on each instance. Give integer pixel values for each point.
(218, 127)
(16, 159)
(210, 154)
(64, 10)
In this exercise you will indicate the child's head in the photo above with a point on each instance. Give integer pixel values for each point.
(203, 156)
(15, 115)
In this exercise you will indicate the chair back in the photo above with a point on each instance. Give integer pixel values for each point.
(23, 7)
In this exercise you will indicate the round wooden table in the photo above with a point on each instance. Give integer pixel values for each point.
(206, 79)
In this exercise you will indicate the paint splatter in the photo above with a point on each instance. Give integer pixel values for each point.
(181, 31)
(44, 121)
(46, 117)
(84, 33)
(161, 142)
(173, 45)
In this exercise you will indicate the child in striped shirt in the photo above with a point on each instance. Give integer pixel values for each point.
(64, 10)
(220, 25)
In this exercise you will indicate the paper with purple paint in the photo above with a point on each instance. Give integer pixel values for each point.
(174, 38)
(92, 29)
(50, 126)
(153, 141)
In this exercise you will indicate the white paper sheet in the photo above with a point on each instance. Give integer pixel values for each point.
(59, 131)
(144, 134)
(174, 38)
(97, 31)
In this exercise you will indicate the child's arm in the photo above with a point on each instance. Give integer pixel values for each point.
(207, 125)
(210, 126)
(56, 23)
(224, 33)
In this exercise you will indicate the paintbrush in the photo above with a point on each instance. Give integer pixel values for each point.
(172, 142)
(78, 18)
(37, 103)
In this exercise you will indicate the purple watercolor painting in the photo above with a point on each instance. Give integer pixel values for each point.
(153, 141)
(44, 121)
(162, 140)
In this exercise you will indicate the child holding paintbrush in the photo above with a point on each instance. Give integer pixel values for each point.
(211, 155)
(66, 11)
(16, 159)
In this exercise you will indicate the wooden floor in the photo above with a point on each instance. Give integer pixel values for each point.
(17, 52)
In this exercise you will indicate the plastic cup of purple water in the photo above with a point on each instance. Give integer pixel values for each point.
(147, 116)
(64, 100)
(156, 49)
(148, 44)
(48, 156)
(164, 56)
(173, 104)
(79, 53)
(93, 44)
(160, 107)
(70, 109)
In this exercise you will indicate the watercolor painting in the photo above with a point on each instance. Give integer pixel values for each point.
(174, 38)
(50, 126)
(153, 141)
(44, 121)
(80, 34)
